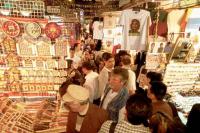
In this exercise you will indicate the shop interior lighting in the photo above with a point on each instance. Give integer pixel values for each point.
(25, 12)
(5, 12)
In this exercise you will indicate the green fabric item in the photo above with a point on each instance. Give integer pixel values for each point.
(162, 16)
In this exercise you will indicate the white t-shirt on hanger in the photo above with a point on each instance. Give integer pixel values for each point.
(98, 30)
(134, 29)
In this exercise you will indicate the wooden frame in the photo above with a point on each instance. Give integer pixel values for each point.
(181, 50)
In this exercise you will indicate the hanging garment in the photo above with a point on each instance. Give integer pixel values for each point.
(98, 30)
(135, 27)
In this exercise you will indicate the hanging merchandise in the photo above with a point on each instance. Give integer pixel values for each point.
(11, 28)
(98, 30)
(52, 30)
(9, 45)
(158, 27)
(135, 29)
(33, 29)
(173, 23)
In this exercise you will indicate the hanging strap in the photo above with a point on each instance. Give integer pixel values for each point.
(112, 127)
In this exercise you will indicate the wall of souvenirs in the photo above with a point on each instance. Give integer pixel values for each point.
(31, 56)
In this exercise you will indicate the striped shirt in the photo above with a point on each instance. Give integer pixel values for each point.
(124, 127)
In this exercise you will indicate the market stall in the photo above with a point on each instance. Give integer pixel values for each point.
(33, 51)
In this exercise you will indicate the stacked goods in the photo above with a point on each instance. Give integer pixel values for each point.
(25, 48)
(44, 49)
(45, 115)
(12, 120)
(60, 120)
(192, 92)
(3, 81)
(60, 49)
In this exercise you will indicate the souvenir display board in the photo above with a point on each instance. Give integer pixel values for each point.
(25, 48)
(60, 49)
(33, 29)
(155, 61)
(28, 65)
(156, 47)
(52, 30)
(9, 45)
(181, 50)
(44, 49)
(11, 28)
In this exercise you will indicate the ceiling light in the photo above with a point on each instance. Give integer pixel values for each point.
(25, 13)
(5, 12)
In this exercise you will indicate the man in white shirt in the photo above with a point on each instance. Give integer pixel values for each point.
(104, 74)
(91, 81)
(73, 57)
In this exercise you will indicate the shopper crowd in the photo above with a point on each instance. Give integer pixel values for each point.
(103, 94)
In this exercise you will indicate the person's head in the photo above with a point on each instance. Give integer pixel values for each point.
(76, 98)
(92, 55)
(153, 76)
(100, 64)
(142, 77)
(76, 45)
(75, 65)
(152, 46)
(138, 109)
(135, 25)
(118, 79)
(72, 52)
(87, 53)
(119, 56)
(86, 67)
(161, 123)
(108, 60)
(108, 43)
(82, 42)
(90, 37)
(161, 45)
(157, 91)
(126, 61)
(193, 119)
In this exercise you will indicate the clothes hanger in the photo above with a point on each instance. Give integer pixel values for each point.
(137, 8)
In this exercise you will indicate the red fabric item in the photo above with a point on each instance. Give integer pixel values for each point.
(115, 49)
(162, 29)
(185, 18)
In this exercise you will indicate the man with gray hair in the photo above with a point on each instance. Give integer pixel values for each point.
(115, 94)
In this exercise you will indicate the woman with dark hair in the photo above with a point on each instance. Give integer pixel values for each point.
(192, 125)
(119, 56)
(145, 78)
(156, 92)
